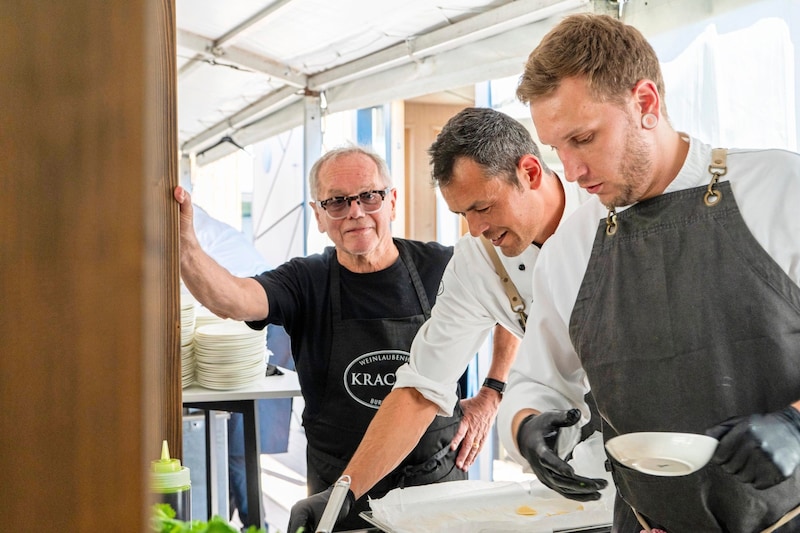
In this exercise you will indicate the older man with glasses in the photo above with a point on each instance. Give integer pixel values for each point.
(351, 312)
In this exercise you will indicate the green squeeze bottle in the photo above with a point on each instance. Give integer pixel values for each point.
(171, 484)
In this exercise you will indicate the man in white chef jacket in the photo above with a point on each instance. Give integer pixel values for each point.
(489, 170)
(677, 297)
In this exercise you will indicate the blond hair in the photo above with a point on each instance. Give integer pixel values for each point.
(611, 55)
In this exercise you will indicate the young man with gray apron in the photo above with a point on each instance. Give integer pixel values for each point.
(365, 354)
(683, 321)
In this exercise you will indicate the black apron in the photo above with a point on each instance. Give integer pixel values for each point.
(682, 321)
(366, 354)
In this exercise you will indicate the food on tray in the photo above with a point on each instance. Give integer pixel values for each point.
(524, 510)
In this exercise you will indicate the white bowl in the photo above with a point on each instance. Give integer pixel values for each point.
(663, 453)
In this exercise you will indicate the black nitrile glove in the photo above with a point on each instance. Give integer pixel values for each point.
(307, 513)
(762, 450)
(536, 439)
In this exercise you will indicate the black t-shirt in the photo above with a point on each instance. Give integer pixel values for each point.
(299, 300)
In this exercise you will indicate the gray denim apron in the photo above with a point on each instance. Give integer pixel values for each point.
(682, 321)
(360, 374)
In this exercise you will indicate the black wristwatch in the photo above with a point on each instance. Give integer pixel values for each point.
(495, 384)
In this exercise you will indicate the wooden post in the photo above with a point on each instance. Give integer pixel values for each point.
(89, 318)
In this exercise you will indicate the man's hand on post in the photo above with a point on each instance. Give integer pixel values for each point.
(536, 439)
(762, 450)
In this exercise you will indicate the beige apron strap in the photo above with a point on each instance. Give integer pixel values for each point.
(642, 521)
(717, 168)
(514, 298)
(785, 519)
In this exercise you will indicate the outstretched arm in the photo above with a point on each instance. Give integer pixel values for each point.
(222, 293)
(395, 430)
(480, 411)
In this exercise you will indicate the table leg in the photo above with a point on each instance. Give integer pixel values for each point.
(210, 462)
(212, 475)
(252, 450)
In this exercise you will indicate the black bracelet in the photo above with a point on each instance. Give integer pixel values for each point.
(495, 384)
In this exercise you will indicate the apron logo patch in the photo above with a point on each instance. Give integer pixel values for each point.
(371, 376)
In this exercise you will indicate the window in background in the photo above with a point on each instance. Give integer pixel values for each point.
(218, 186)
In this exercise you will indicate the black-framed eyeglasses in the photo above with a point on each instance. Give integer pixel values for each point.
(338, 206)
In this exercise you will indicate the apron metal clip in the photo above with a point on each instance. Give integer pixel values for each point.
(611, 222)
(717, 168)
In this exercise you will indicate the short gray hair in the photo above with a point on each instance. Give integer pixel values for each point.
(380, 164)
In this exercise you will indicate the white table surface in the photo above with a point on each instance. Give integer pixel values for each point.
(274, 386)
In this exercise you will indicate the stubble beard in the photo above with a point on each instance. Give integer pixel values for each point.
(634, 168)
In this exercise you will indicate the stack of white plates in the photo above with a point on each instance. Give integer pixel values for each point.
(229, 355)
(187, 337)
(187, 365)
(204, 317)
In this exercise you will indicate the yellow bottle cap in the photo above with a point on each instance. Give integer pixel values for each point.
(168, 473)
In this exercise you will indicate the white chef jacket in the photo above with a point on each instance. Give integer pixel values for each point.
(227, 246)
(470, 302)
(547, 373)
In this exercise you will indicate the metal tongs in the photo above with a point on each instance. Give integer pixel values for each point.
(331, 512)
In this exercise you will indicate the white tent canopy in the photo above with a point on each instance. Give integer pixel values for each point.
(246, 66)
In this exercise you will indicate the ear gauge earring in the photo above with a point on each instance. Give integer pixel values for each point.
(649, 121)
